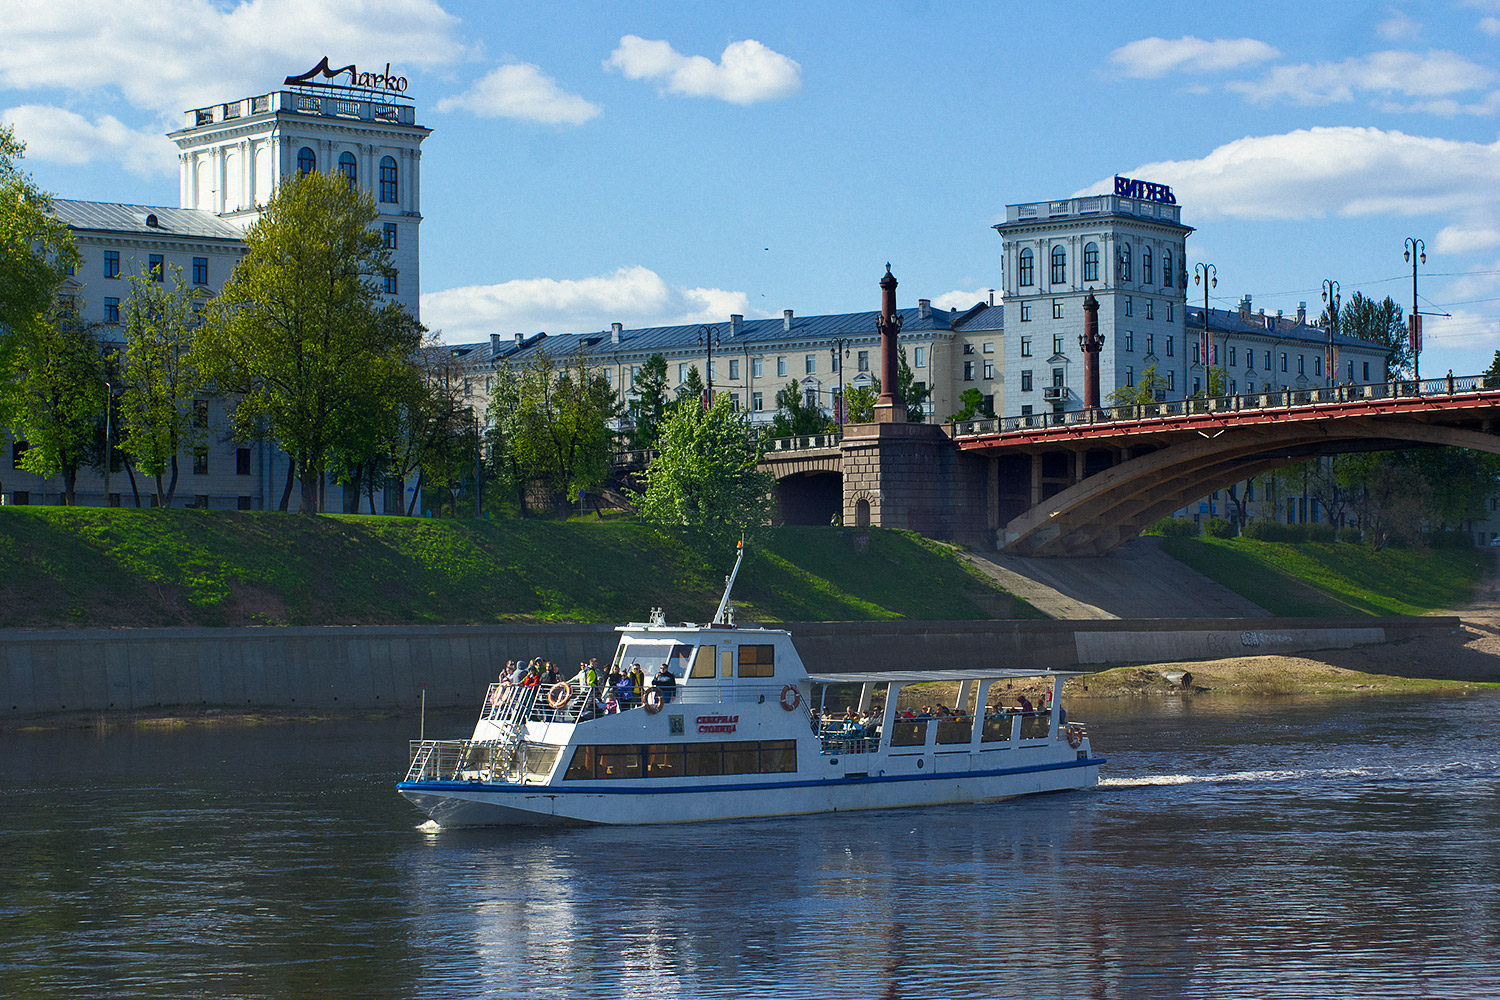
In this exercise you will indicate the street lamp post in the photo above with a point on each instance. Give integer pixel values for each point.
(840, 352)
(109, 449)
(1208, 276)
(708, 336)
(478, 482)
(1416, 252)
(1331, 296)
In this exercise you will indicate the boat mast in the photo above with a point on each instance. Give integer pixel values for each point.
(729, 585)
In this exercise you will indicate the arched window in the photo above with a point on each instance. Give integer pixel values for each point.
(1059, 265)
(348, 168)
(1091, 262)
(1026, 269)
(1166, 268)
(1146, 265)
(388, 180)
(306, 161)
(1122, 271)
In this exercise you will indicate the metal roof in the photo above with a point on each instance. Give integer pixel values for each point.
(1285, 328)
(109, 217)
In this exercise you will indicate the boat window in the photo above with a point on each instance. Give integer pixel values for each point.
(726, 663)
(757, 661)
(778, 756)
(703, 664)
(617, 762)
(740, 758)
(996, 728)
(955, 730)
(909, 733)
(538, 760)
(651, 655)
(665, 760)
(704, 758)
(1036, 727)
(672, 760)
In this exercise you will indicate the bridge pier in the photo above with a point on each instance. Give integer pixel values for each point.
(910, 476)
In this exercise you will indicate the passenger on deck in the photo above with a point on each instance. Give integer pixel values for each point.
(1025, 703)
(550, 676)
(611, 703)
(637, 681)
(943, 712)
(590, 675)
(625, 691)
(519, 674)
(666, 683)
(532, 678)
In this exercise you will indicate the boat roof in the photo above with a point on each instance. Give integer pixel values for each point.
(923, 676)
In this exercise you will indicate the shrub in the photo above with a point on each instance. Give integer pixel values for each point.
(1351, 535)
(1450, 539)
(1272, 531)
(1174, 527)
(1218, 527)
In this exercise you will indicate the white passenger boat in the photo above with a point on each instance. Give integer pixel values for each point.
(744, 731)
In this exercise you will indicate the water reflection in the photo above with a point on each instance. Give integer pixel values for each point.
(1337, 849)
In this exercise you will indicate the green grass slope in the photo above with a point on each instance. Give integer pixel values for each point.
(141, 568)
(1314, 579)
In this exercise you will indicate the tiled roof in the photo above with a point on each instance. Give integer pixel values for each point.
(109, 217)
(1284, 328)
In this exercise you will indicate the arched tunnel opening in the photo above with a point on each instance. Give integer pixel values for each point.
(810, 498)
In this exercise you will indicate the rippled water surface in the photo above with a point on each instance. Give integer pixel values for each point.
(1339, 849)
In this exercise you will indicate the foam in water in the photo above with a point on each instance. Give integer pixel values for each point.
(431, 826)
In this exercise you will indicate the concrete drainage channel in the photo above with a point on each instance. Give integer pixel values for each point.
(364, 667)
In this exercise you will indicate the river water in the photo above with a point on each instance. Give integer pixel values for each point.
(1346, 848)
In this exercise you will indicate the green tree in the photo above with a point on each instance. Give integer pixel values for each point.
(157, 415)
(972, 405)
(692, 390)
(794, 415)
(301, 330)
(915, 393)
(36, 250)
(706, 475)
(1460, 482)
(861, 401)
(1147, 388)
(59, 395)
(649, 407)
(1378, 323)
(1492, 373)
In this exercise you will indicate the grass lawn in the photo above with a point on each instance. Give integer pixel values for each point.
(122, 567)
(1313, 579)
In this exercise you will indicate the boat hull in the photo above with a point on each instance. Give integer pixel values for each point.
(453, 803)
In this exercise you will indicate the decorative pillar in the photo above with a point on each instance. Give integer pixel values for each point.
(1092, 343)
(890, 408)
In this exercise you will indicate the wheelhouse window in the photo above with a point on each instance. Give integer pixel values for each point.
(388, 177)
(757, 661)
(307, 161)
(1091, 262)
(1059, 265)
(1026, 269)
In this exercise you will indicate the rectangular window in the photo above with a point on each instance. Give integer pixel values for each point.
(112, 311)
(757, 661)
(968, 371)
(810, 397)
(111, 263)
(1129, 306)
(1130, 376)
(1365, 366)
(390, 284)
(389, 229)
(989, 369)
(989, 347)
(1057, 378)
(757, 367)
(242, 461)
(704, 663)
(755, 402)
(1197, 385)
(200, 270)
(833, 356)
(1268, 361)
(1351, 371)
(1150, 343)
(781, 366)
(919, 357)
(1197, 347)
(1150, 309)
(1130, 341)
(1301, 364)
(1171, 381)
(1318, 364)
(734, 401)
(242, 503)
(1057, 312)
(200, 461)
(1169, 309)
(1026, 381)
(1057, 343)
(200, 413)
(713, 370)
(810, 364)
(1025, 347)
(1283, 361)
(1025, 312)
(17, 453)
(968, 348)
(1026, 410)
(1232, 388)
(862, 361)
(1231, 356)
(734, 369)
(156, 266)
(1169, 346)
(682, 370)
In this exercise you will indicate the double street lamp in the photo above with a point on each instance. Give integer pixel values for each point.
(1416, 252)
(840, 352)
(1208, 276)
(708, 336)
(1331, 296)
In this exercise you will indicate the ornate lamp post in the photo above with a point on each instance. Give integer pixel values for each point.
(1416, 252)
(1208, 276)
(840, 352)
(708, 336)
(1331, 296)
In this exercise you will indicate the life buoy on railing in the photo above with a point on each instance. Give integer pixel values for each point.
(1075, 737)
(559, 694)
(790, 697)
(654, 701)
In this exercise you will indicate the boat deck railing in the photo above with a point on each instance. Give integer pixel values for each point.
(504, 700)
(482, 760)
(951, 731)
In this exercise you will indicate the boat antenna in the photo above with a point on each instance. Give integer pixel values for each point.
(719, 618)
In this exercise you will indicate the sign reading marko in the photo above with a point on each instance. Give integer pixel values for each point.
(1128, 187)
(369, 81)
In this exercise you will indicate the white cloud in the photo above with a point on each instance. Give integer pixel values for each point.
(1341, 170)
(962, 300)
(523, 91)
(60, 136)
(747, 71)
(1397, 26)
(1445, 107)
(635, 296)
(1430, 74)
(1466, 238)
(1490, 25)
(1156, 57)
(170, 55)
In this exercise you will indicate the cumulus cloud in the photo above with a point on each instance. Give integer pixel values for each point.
(747, 72)
(60, 136)
(1466, 238)
(1156, 57)
(1343, 171)
(635, 296)
(1490, 25)
(1416, 74)
(1398, 26)
(962, 300)
(522, 91)
(170, 55)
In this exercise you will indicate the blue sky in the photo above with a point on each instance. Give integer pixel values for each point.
(650, 163)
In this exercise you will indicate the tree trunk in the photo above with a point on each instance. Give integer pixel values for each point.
(286, 494)
(416, 494)
(135, 490)
(172, 484)
(310, 483)
(70, 486)
(371, 481)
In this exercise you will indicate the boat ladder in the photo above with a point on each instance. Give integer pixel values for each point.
(511, 721)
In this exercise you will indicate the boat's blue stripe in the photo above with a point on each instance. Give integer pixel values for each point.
(612, 789)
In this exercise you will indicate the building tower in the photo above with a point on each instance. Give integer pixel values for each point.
(1126, 249)
(234, 156)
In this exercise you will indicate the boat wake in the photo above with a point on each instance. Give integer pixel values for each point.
(431, 826)
(1231, 777)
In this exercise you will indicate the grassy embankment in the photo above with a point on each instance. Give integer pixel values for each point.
(1316, 579)
(88, 567)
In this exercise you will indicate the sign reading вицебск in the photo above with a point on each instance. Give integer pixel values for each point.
(1129, 187)
(353, 78)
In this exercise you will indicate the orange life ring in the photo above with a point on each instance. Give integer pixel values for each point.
(654, 701)
(790, 697)
(1075, 737)
(559, 694)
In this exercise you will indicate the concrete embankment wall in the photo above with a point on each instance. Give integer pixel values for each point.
(376, 667)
